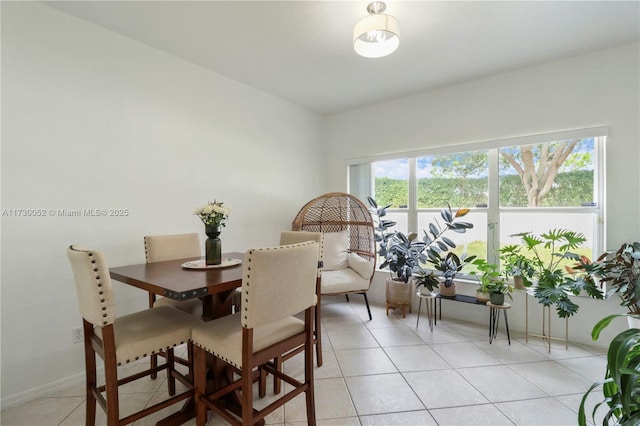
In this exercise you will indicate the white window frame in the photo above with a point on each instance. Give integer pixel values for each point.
(360, 181)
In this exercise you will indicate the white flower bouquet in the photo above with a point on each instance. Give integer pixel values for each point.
(213, 214)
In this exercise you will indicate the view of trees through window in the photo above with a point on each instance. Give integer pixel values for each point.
(556, 174)
(540, 187)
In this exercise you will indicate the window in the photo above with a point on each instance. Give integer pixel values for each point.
(534, 183)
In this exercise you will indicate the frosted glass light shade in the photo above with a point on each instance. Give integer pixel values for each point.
(377, 35)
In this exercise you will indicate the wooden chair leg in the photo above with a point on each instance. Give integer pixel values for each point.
(111, 380)
(262, 383)
(308, 373)
(190, 359)
(154, 363)
(277, 383)
(154, 357)
(247, 399)
(171, 365)
(318, 332)
(200, 384)
(91, 381)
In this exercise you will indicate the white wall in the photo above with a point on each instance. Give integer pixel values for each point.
(597, 89)
(94, 120)
(91, 119)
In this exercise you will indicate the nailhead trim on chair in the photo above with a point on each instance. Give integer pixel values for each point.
(249, 254)
(246, 300)
(247, 282)
(217, 355)
(104, 308)
(152, 353)
(100, 292)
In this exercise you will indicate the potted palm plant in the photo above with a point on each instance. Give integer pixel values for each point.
(404, 254)
(621, 384)
(555, 283)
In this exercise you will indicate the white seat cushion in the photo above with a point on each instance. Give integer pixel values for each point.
(223, 336)
(146, 332)
(191, 306)
(343, 280)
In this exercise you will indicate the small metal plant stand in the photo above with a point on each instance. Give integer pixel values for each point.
(494, 319)
(429, 302)
(546, 322)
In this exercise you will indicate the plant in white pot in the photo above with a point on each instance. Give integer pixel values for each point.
(404, 254)
(487, 273)
(517, 265)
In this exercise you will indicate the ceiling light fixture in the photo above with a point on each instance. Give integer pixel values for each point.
(376, 35)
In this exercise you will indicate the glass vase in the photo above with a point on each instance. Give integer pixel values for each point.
(213, 245)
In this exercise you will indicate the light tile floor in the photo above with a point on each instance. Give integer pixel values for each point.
(387, 372)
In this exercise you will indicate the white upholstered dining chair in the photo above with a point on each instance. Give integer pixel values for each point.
(160, 248)
(121, 340)
(277, 283)
(293, 237)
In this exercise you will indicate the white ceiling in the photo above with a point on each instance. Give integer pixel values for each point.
(302, 50)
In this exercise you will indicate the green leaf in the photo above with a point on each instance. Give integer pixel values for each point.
(446, 214)
(434, 230)
(603, 323)
(448, 242)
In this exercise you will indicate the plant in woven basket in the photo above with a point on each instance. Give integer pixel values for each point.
(404, 254)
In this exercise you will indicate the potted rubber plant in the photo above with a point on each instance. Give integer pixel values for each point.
(621, 384)
(449, 266)
(403, 254)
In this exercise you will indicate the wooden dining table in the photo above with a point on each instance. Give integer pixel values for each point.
(213, 286)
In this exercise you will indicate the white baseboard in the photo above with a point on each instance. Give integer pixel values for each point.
(42, 391)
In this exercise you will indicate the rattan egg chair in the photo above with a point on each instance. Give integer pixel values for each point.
(337, 212)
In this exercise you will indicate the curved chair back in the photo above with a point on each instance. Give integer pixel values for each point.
(339, 211)
(93, 285)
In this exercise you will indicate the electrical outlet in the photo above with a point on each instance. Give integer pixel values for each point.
(77, 334)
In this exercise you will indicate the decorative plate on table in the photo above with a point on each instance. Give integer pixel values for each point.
(200, 264)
